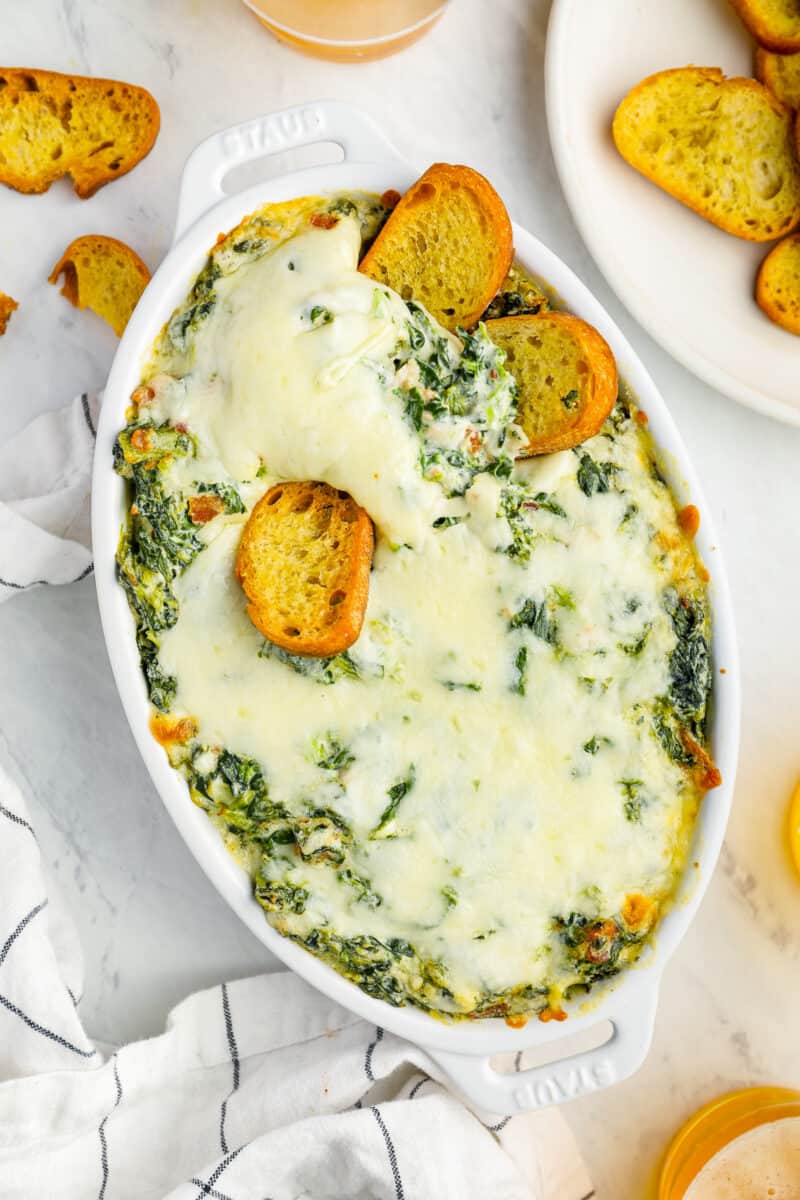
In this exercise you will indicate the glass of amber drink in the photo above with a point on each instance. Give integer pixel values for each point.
(742, 1146)
(348, 30)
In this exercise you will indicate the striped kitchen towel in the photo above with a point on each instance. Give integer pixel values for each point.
(260, 1089)
(45, 477)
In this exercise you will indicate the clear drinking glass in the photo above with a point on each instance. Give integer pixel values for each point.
(348, 30)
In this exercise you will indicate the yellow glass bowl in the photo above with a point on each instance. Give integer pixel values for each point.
(715, 1126)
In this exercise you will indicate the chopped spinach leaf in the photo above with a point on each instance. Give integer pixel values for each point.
(202, 300)
(667, 734)
(534, 615)
(161, 688)
(162, 536)
(690, 662)
(158, 544)
(321, 670)
(364, 893)
(395, 793)
(634, 649)
(595, 948)
(521, 668)
(226, 492)
(343, 207)
(330, 754)
(320, 315)
(563, 596)
(321, 836)
(543, 500)
(510, 304)
(153, 445)
(593, 476)
(245, 780)
(280, 897)
(634, 801)
(446, 522)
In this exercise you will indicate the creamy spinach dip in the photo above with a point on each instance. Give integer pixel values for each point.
(483, 807)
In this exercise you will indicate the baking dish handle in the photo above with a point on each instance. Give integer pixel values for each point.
(358, 135)
(562, 1080)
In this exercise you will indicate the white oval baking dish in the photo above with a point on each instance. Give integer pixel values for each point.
(462, 1049)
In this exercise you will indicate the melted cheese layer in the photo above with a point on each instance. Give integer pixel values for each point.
(511, 821)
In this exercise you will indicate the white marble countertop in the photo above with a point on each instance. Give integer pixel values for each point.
(153, 928)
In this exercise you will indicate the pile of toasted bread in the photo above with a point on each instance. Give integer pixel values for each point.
(94, 130)
(730, 148)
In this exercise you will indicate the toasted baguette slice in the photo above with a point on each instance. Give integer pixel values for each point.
(781, 74)
(773, 23)
(724, 147)
(52, 125)
(566, 375)
(102, 274)
(447, 244)
(304, 563)
(778, 284)
(7, 307)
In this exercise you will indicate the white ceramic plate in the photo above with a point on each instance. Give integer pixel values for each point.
(688, 283)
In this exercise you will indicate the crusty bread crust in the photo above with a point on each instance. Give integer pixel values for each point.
(767, 32)
(304, 562)
(7, 307)
(732, 221)
(52, 125)
(103, 274)
(422, 245)
(781, 74)
(778, 284)
(593, 384)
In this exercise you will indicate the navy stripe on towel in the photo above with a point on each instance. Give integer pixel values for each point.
(370, 1050)
(102, 1132)
(25, 921)
(48, 1033)
(234, 1053)
(390, 1150)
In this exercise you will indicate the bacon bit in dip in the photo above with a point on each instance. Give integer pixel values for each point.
(166, 729)
(517, 1021)
(144, 394)
(203, 509)
(689, 520)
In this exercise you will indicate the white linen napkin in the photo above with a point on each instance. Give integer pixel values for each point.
(45, 474)
(260, 1089)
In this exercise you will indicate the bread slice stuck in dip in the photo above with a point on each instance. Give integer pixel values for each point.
(304, 563)
(447, 245)
(566, 375)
